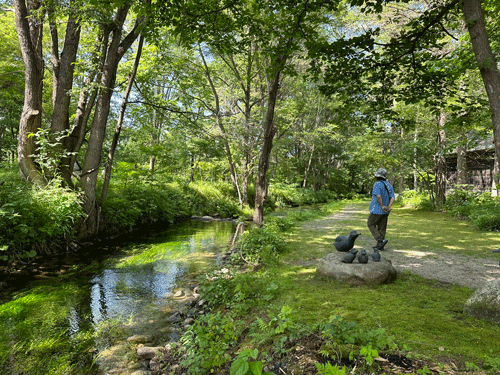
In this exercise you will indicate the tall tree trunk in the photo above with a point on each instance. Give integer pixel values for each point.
(462, 173)
(86, 102)
(308, 168)
(474, 19)
(440, 161)
(118, 128)
(401, 181)
(29, 27)
(261, 185)
(92, 161)
(152, 161)
(62, 78)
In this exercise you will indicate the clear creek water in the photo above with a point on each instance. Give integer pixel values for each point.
(131, 285)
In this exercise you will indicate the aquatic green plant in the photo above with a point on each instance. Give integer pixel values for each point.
(41, 332)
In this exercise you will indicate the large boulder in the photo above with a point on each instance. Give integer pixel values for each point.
(485, 302)
(355, 273)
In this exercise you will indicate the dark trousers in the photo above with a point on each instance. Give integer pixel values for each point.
(377, 225)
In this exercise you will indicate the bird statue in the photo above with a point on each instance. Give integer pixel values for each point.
(350, 256)
(363, 258)
(375, 254)
(346, 243)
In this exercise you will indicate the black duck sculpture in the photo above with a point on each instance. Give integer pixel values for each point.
(376, 255)
(350, 256)
(363, 258)
(346, 243)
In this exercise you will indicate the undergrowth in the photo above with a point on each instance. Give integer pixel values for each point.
(35, 220)
(480, 209)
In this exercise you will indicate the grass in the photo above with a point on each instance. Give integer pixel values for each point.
(412, 230)
(424, 316)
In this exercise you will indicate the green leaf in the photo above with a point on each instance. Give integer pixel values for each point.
(256, 368)
(239, 367)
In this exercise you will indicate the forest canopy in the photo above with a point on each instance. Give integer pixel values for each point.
(308, 94)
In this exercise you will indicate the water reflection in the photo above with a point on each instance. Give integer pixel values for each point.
(120, 291)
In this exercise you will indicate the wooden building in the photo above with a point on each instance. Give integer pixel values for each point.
(480, 161)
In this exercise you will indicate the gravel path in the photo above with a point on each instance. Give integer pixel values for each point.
(458, 269)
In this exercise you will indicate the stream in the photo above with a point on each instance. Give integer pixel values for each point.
(68, 316)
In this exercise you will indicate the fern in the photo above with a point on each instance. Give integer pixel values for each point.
(328, 369)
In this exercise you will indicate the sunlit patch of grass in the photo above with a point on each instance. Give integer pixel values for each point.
(408, 230)
(439, 232)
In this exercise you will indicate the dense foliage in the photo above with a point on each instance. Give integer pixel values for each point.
(36, 220)
(481, 209)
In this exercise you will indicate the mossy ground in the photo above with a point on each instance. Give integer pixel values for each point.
(424, 316)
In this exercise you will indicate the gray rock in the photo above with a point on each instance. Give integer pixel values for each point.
(371, 273)
(188, 321)
(485, 302)
(175, 317)
(138, 338)
(179, 293)
(148, 352)
(154, 365)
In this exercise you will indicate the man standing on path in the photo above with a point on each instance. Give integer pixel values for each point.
(380, 206)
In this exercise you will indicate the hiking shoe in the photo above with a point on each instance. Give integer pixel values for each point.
(381, 244)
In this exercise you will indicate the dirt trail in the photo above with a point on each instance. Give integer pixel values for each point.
(463, 270)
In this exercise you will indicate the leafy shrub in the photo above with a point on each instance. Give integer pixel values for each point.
(481, 209)
(290, 196)
(460, 196)
(236, 291)
(35, 219)
(244, 365)
(485, 216)
(412, 199)
(143, 203)
(340, 336)
(328, 369)
(150, 201)
(212, 199)
(207, 342)
(262, 244)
